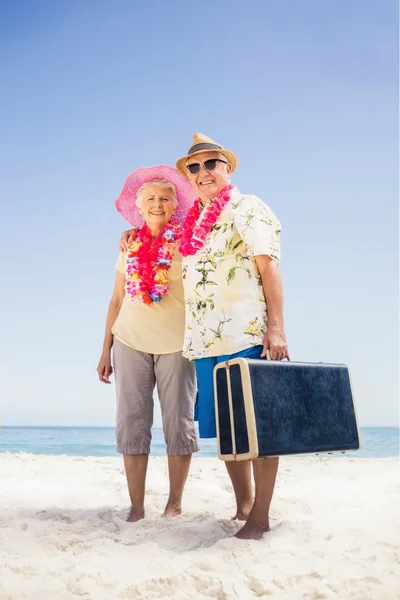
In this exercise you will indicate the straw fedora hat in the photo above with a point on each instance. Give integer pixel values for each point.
(202, 143)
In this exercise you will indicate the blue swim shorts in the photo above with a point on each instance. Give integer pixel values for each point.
(205, 408)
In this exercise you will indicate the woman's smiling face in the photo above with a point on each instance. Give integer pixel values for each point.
(157, 206)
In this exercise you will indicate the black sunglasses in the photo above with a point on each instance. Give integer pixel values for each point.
(209, 165)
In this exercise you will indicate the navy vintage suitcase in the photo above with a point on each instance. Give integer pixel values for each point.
(275, 408)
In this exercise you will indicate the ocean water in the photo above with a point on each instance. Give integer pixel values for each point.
(377, 442)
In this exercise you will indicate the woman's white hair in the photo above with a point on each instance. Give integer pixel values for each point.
(161, 183)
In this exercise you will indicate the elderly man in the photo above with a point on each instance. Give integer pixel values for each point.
(231, 250)
(230, 247)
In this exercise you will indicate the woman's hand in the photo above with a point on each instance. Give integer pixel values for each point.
(104, 368)
(124, 241)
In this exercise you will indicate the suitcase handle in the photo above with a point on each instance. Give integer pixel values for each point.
(268, 356)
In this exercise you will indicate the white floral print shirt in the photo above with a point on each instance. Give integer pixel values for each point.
(225, 304)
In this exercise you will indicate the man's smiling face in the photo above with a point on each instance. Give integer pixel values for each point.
(207, 184)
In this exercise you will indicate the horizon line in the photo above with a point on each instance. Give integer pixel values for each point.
(154, 427)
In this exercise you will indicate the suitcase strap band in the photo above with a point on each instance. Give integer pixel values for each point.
(230, 404)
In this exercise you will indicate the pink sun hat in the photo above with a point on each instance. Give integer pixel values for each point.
(126, 201)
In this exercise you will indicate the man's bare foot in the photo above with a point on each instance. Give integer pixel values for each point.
(135, 515)
(242, 513)
(251, 531)
(172, 510)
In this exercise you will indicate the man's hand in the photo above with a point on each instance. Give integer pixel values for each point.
(124, 241)
(275, 342)
(104, 368)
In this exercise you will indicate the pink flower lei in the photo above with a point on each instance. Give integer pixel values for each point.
(194, 236)
(147, 264)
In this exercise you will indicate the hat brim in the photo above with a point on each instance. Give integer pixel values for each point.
(126, 202)
(230, 156)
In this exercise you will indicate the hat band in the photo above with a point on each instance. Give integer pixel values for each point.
(204, 146)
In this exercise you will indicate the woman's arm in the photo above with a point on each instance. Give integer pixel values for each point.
(104, 368)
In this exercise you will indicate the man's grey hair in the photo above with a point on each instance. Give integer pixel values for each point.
(161, 183)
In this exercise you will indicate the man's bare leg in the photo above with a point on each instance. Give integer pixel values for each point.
(257, 524)
(178, 469)
(135, 469)
(240, 474)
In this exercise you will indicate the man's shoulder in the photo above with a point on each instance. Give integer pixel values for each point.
(246, 207)
(248, 201)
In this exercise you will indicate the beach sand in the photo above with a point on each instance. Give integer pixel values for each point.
(335, 533)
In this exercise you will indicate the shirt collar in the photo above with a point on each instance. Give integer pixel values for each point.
(234, 193)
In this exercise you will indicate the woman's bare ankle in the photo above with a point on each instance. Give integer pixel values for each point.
(172, 509)
(135, 514)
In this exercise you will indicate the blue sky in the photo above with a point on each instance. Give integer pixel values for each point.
(304, 91)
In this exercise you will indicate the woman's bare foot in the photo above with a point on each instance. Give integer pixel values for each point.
(135, 515)
(172, 510)
(252, 531)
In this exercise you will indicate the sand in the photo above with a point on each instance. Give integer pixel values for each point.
(335, 533)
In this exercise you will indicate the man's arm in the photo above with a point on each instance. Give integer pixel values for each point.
(274, 339)
(124, 240)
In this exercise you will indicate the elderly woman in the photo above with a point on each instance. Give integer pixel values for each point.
(145, 327)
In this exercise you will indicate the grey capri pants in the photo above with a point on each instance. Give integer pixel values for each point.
(136, 374)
